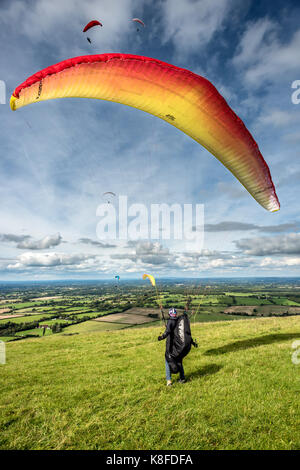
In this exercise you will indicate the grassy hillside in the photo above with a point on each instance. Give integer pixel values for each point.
(100, 390)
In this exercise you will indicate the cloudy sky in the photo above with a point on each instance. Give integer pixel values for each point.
(59, 157)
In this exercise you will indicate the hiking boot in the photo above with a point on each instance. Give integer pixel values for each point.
(182, 381)
(169, 383)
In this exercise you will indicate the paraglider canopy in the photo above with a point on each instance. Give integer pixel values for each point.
(109, 196)
(137, 20)
(117, 277)
(182, 98)
(150, 277)
(91, 24)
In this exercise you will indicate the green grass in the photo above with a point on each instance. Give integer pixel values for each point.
(34, 331)
(244, 294)
(250, 301)
(29, 311)
(284, 301)
(204, 317)
(90, 326)
(107, 390)
(58, 320)
(47, 310)
(27, 319)
(207, 299)
(87, 314)
(17, 306)
(71, 309)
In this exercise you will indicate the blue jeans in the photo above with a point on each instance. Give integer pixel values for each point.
(168, 372)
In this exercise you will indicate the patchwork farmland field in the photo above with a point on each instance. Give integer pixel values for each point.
(136, 306)
(92, 326)
(264, 310)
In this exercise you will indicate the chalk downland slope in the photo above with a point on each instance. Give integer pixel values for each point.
(106, 390)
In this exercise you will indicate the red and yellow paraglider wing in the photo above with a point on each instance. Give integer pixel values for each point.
(185, 100)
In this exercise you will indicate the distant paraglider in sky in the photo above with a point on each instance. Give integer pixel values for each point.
(90, 25)
(109, 196)
(138, 21)
(182, 98)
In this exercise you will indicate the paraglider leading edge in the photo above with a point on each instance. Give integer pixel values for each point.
(184, 99)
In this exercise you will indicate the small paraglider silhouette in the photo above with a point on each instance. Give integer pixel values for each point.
(117, 280)
(109, 196)
(137, 20)
(90, 25)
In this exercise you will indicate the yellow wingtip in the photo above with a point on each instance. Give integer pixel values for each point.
(12, 103)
